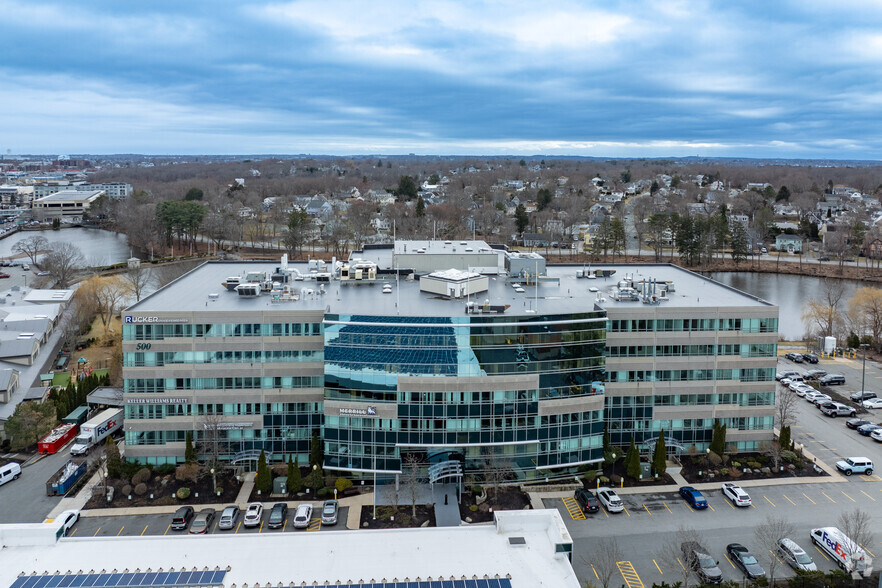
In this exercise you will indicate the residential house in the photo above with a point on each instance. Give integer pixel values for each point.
(874, 249)
(9, 380)
(788, 243)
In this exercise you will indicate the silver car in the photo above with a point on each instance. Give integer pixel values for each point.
(329, 512)
(795, 556)
(228, 519)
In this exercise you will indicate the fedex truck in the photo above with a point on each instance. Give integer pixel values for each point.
(97, 429)
(847, 554)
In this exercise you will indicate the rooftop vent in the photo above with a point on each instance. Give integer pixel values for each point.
(514, 541)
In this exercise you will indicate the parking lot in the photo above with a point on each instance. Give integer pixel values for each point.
(160, 524)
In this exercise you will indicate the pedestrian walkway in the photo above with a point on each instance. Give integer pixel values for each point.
(441, 496)
(246, 489)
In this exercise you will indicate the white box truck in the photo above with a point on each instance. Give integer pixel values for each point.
(97, 429)
(847, 554)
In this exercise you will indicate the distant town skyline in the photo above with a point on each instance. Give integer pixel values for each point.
(659, 78)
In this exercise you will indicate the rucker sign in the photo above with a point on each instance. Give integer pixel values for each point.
(130, 320)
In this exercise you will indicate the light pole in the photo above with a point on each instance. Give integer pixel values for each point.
(864, 368)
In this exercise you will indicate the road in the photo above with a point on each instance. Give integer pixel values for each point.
(24, 500)
(650, 520)
(159, 524)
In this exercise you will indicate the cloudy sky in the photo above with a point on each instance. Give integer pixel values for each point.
(631, 78)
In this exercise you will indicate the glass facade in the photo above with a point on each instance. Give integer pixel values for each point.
(365, 356)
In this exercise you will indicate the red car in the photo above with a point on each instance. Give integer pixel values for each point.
(4, 275)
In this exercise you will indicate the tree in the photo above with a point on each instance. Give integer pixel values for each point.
(63, 263)
(543, 198)
(420, 207)
(739, 242)
(857, 525)
(113, 458)
(670, 553)
(316, 452)
(605, 559)
(654, 187)
(412, 479)
(407, 188)
(31, 246)
(297, 230)
(29, 423)
(785, 408)
(263, 479)
(767, 535)
(180, 218)
(783, 194)
(136, 279)
(822, 314)
(626, 176)
(189, 450)
(660, 455)
(718, 439)
(521, 218)
(864, 312)
(784, 437)
(295, 481)
(632, 461)
(434, 179)
(194, 194)
(211, 444)
(107, 292)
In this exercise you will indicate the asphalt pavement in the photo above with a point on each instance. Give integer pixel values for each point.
(24, 500)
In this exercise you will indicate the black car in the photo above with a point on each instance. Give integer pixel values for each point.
(741, 557)
(587, 501)
(810, 357)
(277, 516)
(861, 396)
(814, 374)
(855, 423)
(696, 557)
(182, 518)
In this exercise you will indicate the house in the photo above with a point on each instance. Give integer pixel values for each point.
(319, 207)
(19, 348)
(788, 243)
(536, 240)
(8, 384)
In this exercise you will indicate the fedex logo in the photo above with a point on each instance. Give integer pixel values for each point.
(834, 545)
(110, 424)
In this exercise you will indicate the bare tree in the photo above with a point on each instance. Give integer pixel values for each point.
(671, 553)
(604, 561)
(774, 450)
(823, 312)
(212, 445)
(31, 246)
(785, 407)
(413, 478)
(136, 279)
(858, 527)
(497, 470)
(767, 535)
(63, 263)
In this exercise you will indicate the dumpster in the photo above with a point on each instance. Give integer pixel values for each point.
(64, 479)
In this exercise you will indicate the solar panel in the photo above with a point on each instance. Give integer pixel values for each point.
(123, 580)
(489, 583)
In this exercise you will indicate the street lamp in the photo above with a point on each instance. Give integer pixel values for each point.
(864, 368)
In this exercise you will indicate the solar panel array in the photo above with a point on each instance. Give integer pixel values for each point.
(492, 583)
(122, 580)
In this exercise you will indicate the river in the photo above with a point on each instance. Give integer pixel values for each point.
(99, 247)
(789, 292)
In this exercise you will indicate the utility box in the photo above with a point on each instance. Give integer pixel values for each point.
(280, 485)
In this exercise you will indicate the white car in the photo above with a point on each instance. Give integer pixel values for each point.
(803, 389)
(820, 399)
(736, 494)
(610, 499)
(872, 403)
(254, 515)
(876, 435)
(302, 516)
(810, 396)
(68, 519)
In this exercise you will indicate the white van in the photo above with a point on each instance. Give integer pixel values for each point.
(847, 554)
(10, 471)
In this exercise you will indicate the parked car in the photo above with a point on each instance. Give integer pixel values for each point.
(228, 518)
(743, 559)
(68, 519)
(872, 403)
(277, 516)
(693, 497)
(855, 423)
(832, 380)
(810, 358)
(794, 357)
(876, 435)
(810, 396)
(835, 409)
(736, 494)
(587, 500)
(803, 389)
(610, 500)
(868, 429)
(4, 275)
(861, 396)
(254, 515)
(785, 374)
(696, 557)
(329, 512)
(820, 399)
(182, 517)
(302, 516)
(43, 273)
(795, 556)
(202, 522)
(814, 374)
(855, 465)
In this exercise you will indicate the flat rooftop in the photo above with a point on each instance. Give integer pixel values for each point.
(330, 558)
(70, 196)
(563, 292)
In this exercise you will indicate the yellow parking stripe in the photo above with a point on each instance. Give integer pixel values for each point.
(142, 532)
(573, 509)
(710, 507)
(626, 511)
(658, 568)
(647, 510)
(809, 499)
(769, 501)
(729, 560)
(314, 525)
(666, 506)
(120, 530)
(632, 578)
(238, 526)
(166, 530)
(96, 532)
(72, 533)
(788, 500)
(847, 496)
(595, 572)
(822, 553)
(828, 498)
(868, 496)
(868, 551)
(681, 563)
(729, 502)
(284, 524)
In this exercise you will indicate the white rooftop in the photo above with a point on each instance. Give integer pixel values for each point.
(290, 558)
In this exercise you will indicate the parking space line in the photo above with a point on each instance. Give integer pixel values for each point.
(788, 500)
(96, 532)
(876, 477)
(666, 506)
(730, 504)
(120, 530)
(769, 501)
(74, 532)
(284, 525)
(573, 508)
(632, 578)
(166, 530)
(595, 571)
(142, 532)
(809, 499)
(726, 555)
(868, 551)
(828, 498)
(626, 511)
(647, 510)
(847, 496)
(868, 496)
(822, 553)
(260, 529)
(238, 526)
(658, 568)
(681, 564)
(603, 510)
